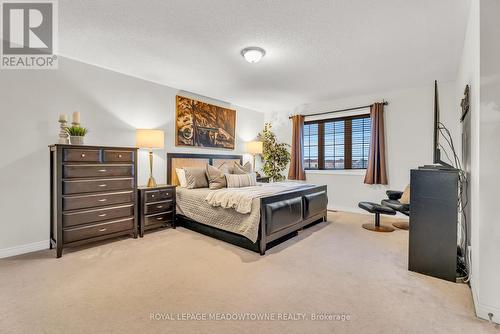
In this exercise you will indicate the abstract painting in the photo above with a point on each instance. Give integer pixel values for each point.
(200, 124)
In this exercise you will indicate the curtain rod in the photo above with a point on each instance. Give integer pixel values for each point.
(341, 110)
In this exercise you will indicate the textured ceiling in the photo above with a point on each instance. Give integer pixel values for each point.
(316, 50)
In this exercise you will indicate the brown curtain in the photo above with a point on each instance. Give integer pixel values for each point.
(296, 171)
(376, 172)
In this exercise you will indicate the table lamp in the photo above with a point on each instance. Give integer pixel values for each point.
(150, 139)
(254, 148)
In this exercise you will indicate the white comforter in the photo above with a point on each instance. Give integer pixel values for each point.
(241, 199)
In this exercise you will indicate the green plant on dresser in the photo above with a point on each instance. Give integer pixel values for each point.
(76, 134)
(76, 131)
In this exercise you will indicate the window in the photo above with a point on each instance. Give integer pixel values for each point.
(311, 146)
(337, 143)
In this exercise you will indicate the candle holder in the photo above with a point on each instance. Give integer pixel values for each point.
(76, 119)
(63, 134)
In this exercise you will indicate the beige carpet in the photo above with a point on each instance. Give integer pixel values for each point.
(332, 268)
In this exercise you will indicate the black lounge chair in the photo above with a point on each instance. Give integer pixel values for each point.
(393, 202)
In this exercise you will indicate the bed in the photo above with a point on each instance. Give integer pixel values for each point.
(280, 213)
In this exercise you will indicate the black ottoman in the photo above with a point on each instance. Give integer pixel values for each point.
(378, 210)
(400, 207)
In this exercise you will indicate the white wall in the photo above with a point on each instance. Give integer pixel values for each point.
(409, 123)
(488, 247)
(112, 106)
(468, 74)
(481, 70)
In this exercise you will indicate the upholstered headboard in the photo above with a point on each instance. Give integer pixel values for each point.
(181, 160)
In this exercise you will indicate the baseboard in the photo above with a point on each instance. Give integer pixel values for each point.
(484, 311)
(345, 209)
(359, 210)
(23, 249)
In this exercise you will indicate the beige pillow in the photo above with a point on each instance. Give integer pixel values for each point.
(245, 169)
(181, 176)
(405, 198)
(195, 178)
(226, 167)
(216, 178)
(241, 180)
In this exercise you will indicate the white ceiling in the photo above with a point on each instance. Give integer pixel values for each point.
(317, 50)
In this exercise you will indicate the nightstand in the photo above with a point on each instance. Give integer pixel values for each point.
(263, 179)
(157, 207)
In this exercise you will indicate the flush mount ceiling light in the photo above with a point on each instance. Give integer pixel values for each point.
(253, 54)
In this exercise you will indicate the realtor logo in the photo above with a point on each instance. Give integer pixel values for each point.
(29, 34)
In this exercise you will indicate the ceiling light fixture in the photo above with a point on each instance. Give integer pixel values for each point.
(253, 54)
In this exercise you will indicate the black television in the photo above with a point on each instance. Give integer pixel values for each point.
(437, 124)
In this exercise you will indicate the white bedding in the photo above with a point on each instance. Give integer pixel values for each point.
(193, 204)
(241, 199)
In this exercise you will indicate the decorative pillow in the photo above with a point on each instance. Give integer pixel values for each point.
(181, 176)
(216, 178)
(226, 167)
(196, 178)
(405, 198)
(245, 169)
(241, 180)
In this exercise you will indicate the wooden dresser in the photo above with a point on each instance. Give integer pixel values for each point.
(93, 194)
(157, 207)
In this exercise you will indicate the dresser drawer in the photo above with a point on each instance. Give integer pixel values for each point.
(158, 207)
(166, 193)
(88, 186)
(95, 230)
(74, 171)
(81, 155)
(97, 215)
(118, 156)
(96, 200)
(152, 196)
(161, 218)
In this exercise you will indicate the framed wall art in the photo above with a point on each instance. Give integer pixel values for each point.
(200, 124)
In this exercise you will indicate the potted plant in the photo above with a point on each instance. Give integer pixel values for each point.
(275, 155)
(76, 134)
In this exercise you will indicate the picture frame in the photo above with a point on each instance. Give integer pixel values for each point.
(204, 125)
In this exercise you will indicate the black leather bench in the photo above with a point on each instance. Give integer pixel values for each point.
(378, 210)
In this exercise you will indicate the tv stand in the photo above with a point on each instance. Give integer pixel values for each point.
(433, 222)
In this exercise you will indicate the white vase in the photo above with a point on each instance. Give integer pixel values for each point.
(76, 140)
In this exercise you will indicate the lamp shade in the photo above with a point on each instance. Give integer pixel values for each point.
(147, 138)
(255, 147)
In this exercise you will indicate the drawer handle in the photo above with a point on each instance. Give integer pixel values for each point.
(152, 196)
(102, 229)
(159, 206)
(159, 218)
(83, 155)
(103, 170)
(103, 185)
(119, 155)
(103, 200)
(103, 215)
